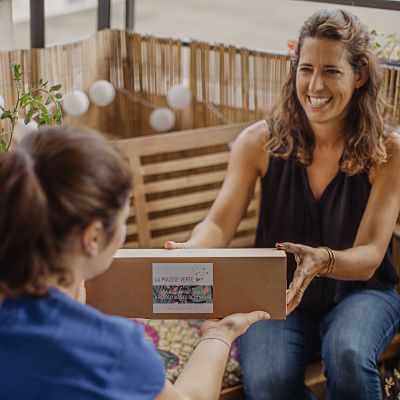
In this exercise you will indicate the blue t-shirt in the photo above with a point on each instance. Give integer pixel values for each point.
(54, 348)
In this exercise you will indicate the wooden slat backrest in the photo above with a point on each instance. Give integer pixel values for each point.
(177, 177)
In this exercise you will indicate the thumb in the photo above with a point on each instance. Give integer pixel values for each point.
(255, 316)
(289, 247)
(170, 245)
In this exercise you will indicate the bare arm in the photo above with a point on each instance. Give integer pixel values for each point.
(247, 161)
(376, 228)
(202, 376)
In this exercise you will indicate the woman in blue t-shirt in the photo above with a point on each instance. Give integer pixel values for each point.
(63, 209)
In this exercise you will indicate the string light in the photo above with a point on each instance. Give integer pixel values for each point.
(179, 96)
(75, 103)
(162, 119)
(102, 93)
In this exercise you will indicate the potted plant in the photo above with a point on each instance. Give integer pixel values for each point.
(387, 47)
(37, 105)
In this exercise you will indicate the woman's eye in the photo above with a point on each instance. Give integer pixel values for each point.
(333, 72)
(305, 69)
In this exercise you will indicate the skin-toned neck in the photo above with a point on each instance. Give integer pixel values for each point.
(328, 136)
(76, 264)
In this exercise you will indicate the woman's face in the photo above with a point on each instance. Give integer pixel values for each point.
(325, 82)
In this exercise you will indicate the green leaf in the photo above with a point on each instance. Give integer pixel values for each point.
(55, 88)
(48, 101)
(45, 115)
(17, 71)
(6, 114)
(25, 100)
(57, 116)
(42, 107)
(42, 122)
(59, 96)
(3, 145)
(28, 117)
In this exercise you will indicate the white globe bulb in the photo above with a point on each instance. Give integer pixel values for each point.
(2, 103)
(75, 103)
(21, 129)
(162, 119)
(179, 96)
(102, 93)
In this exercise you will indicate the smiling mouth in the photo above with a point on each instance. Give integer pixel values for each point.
(319, 101)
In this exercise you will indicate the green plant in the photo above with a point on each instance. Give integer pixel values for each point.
(386, 46)
(37, 102)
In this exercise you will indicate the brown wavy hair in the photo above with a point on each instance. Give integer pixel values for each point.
(367, 124)
(55, 184)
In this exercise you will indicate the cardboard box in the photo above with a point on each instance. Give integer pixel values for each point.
(191, 284)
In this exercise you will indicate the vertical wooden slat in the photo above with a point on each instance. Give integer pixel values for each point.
(245, 82)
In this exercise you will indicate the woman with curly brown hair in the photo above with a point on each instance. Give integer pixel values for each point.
(328, 162)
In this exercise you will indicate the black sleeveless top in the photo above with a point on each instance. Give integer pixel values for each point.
(290, 213)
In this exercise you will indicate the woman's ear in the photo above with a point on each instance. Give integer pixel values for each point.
(362, 76)
(92, 238)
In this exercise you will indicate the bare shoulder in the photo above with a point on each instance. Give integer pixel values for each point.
(251, 146)
(394, 148)
(391, 167)
(254, 134)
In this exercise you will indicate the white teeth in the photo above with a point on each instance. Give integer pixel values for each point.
(318, 101)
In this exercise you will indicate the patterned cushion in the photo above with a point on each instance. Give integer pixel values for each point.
(175, 341)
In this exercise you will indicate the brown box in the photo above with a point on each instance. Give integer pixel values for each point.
(191, 284)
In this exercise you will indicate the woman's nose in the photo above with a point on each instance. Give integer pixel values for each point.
(316, 83)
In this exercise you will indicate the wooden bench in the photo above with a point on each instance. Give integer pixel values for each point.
(176, 179)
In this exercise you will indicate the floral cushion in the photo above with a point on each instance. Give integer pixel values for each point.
(175, 341)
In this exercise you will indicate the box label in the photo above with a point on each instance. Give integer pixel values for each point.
(183, 287)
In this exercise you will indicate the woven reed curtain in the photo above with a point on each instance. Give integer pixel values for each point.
(151, 67)
(228, 84)
(391, 90)
(233, 85)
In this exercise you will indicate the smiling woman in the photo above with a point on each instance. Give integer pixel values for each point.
(328, 163)
(325, 81)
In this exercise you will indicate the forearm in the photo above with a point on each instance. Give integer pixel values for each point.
(356, 263)
(202, 376)
(207, 234)
(205, 370)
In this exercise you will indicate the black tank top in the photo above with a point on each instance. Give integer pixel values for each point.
(290, 213)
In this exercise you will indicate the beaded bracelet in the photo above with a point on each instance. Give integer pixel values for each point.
(331, 262)
(214, 338)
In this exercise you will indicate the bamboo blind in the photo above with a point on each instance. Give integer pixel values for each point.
(229, 84)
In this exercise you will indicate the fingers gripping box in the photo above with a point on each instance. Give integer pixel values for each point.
(191, 283)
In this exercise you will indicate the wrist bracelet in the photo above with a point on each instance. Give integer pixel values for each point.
(214, 338)
(331, 262)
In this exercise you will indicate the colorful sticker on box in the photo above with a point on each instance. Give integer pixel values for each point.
(183, 288)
